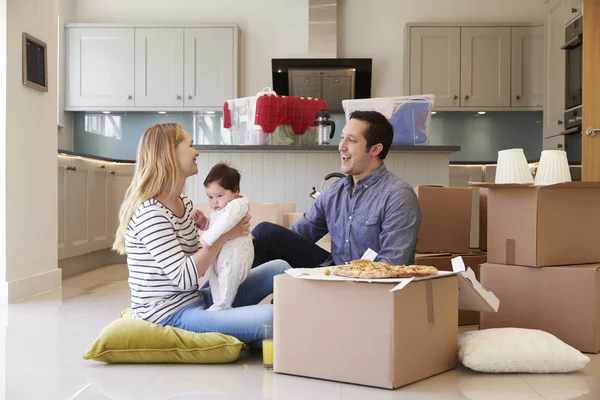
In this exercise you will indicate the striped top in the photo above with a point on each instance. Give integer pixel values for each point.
(162, 275)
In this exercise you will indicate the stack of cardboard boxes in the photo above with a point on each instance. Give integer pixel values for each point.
(544, 260)
(446, 233)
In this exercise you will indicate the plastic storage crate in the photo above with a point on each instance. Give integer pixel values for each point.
(409, 115)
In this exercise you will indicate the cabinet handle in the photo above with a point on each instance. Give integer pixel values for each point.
(455, 97)
(129, 97)
(69, 168)
(190, 97)
(102, 166)
(573, 10)
(559, 146)
(178, 97)
(466, 97)
(559, 122)
(112, 172)
(518, 97)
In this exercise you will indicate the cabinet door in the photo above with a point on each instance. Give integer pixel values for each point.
(78, 223)
(159, 67)
(209, 66)
(527, 59)
(435, 64)
(554, 59)
(63, 205)
(97, 211)
(100, 67)
(485, 66)
(119, 179)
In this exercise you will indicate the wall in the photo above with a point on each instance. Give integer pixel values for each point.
(30, 203)
(375, 29)
(65, 119)
(270, 28)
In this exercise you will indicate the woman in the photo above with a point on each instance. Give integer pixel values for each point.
(163, 255)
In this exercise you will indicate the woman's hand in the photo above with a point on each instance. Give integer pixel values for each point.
(241, 229)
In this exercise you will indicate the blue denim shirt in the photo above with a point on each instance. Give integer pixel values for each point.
(381, 213)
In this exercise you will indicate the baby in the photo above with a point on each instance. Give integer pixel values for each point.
(231, 267)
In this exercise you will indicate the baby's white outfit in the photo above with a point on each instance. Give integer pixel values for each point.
(233, 263)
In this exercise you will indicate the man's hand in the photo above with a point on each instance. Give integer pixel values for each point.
(198, 218)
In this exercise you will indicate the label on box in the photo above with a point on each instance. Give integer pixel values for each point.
(402, 284)
(458, 265)
(369, 255)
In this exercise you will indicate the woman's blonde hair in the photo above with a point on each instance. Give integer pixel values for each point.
(156, 172)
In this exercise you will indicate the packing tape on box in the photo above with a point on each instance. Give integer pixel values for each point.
(429, 295)
(510, 251)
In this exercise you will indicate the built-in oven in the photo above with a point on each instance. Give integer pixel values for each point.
(573, 62)
(573, 89)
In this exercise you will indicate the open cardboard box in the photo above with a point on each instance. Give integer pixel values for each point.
(384, 333)
(540, 226)
(443, 262)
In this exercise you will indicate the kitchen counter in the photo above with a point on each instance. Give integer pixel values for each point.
(323, 148)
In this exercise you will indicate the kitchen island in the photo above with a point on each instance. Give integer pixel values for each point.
(289, 173)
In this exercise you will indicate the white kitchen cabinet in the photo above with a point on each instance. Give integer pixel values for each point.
(90, 193)
(475, 67)
(100, 67)
(210, 72)
(63, 206)
(554, 76)
(527, 69)
(151, 68)
(78, 221)
(159, 67)
(435, 64)
(485, 67)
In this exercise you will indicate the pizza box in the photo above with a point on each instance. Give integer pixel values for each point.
(411, 325)
(472, 295)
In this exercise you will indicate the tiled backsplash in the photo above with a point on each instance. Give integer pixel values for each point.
(116, 135)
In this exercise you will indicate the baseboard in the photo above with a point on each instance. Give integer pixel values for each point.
(25, 288)
(87, 262)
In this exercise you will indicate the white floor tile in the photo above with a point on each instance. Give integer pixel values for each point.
(42, 341)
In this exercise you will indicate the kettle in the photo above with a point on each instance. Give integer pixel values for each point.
(325, 127)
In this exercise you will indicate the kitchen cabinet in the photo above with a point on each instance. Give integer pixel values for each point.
(485, 67)
(90, 194)
(435, 64)
(100, 67)
(159, 67)
(151, 68)
(210, 66)
(476, 67)
(527, 59)
(557, 15)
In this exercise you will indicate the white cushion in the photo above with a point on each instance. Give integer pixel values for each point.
(517, 350)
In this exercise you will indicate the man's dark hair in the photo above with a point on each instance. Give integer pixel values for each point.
(379, 131)
(226, 176)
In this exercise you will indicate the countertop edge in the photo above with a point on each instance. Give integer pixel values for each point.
(316, 148)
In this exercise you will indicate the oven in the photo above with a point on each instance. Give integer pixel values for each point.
(573, 48)
(573, 63)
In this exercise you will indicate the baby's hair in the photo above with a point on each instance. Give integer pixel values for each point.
(224, 175)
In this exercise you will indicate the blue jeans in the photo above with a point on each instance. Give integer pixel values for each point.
(245, 319)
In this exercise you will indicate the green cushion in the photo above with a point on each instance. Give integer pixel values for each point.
(129, 340)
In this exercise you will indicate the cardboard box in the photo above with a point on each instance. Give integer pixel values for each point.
(443, 262)
(483, 195)
(564, 301)
(446, 224)
(360, 332)
(543, 226)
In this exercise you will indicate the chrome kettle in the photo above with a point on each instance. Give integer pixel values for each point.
(325, 127)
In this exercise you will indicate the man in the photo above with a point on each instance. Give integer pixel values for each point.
(370, 208)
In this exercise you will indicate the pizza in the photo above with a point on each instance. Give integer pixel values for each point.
(366, 269)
